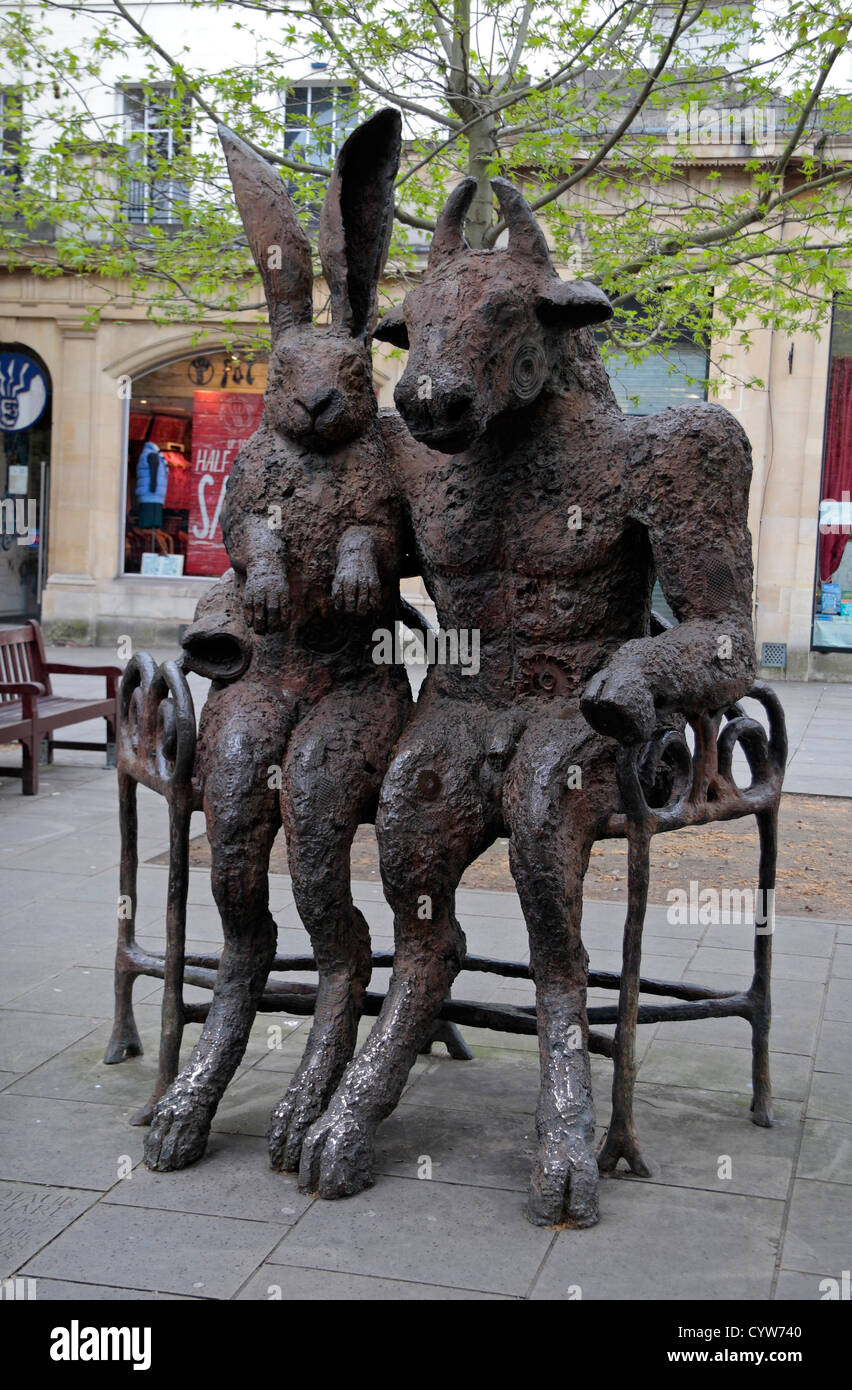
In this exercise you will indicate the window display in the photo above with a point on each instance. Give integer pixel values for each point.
(187, 422)
(832, 625)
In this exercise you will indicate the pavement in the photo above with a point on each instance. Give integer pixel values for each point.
(730, 1212)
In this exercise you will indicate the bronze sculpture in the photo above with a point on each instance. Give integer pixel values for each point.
(540, 515)
(300, 722)
(543, 526)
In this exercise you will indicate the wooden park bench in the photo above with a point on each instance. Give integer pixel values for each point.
(29, 710)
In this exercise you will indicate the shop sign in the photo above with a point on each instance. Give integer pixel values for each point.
(23, 392)
(222, 421)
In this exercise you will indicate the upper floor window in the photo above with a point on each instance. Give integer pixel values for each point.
(10, 133)
(157, 133)
(318, 117)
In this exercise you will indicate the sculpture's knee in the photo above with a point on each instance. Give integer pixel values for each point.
(430, 814)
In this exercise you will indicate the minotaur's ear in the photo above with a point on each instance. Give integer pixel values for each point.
(573, 304)
(391, 328)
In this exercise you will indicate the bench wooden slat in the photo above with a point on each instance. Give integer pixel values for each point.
(23, 661)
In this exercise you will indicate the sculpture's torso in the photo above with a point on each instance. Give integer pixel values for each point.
(528, 537)
(314, 498)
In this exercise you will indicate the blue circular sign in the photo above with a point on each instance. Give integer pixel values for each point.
(23, 391)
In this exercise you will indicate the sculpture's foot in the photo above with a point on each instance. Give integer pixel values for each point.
(337, 1155)
(564, 1184)
(761, 1112)
(621, 1142)
(180, 1126)
(306, 1098)
(125, 1042)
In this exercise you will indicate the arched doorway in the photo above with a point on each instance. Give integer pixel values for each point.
(25, 419)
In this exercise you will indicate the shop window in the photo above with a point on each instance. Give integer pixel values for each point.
(318, 117)
(156, 127)
(832, 622)
(674, 376)
(10, 134)
(187, 422)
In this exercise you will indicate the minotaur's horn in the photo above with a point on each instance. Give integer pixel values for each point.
(449, 234)
(525, 236)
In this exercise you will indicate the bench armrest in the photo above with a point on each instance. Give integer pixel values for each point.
(113, 674)
(29, 692)
(61, 668)
(22, 688)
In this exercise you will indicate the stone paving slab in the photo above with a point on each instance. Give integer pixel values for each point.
(423, 1232)
(162, 1251)
(655, 1242)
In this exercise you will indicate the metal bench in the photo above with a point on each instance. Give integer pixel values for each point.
(664, 786)
(29, 710)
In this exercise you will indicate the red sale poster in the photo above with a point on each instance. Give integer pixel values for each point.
(222, 421)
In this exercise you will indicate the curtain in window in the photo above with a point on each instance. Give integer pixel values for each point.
(837, 475)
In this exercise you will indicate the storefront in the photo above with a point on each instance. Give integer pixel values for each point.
(832, 618)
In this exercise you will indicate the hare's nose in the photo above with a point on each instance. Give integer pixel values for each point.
(317, 403)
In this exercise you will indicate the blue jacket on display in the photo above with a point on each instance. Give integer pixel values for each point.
(152, 476)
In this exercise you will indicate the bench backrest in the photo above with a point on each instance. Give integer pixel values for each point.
(22, 657)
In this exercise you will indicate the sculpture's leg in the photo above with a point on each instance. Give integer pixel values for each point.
(621, 1139)
(761, 1101)
(243, 735)
(432, 822)
(172, 1013)
(332, 775)
(559, 779)
(125, 1041)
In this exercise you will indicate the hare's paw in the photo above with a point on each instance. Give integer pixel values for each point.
(337, 1155)
(266, 599)
(178, 1134)
(356, 588)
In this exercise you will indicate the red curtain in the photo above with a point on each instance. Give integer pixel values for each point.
(837, 476)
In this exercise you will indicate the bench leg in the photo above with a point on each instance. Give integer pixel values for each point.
(621, 1139)
(125, 1041)
(761, 1102)
(449, 1035)
(29, 770)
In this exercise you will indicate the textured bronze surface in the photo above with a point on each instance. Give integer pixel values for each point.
(300, 722)
(540, 515)
(542, 525)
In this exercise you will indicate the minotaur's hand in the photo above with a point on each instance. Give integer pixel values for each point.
(618, 702)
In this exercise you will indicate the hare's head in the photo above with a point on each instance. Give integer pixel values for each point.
(320, 384)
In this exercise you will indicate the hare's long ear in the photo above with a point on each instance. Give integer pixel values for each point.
(275, 235)
(356, 220)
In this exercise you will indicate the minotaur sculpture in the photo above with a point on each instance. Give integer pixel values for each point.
(312, 531)
(543, 526)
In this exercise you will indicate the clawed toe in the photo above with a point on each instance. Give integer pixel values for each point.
(178, 1134)
(564, 1186)
(337, 1156)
